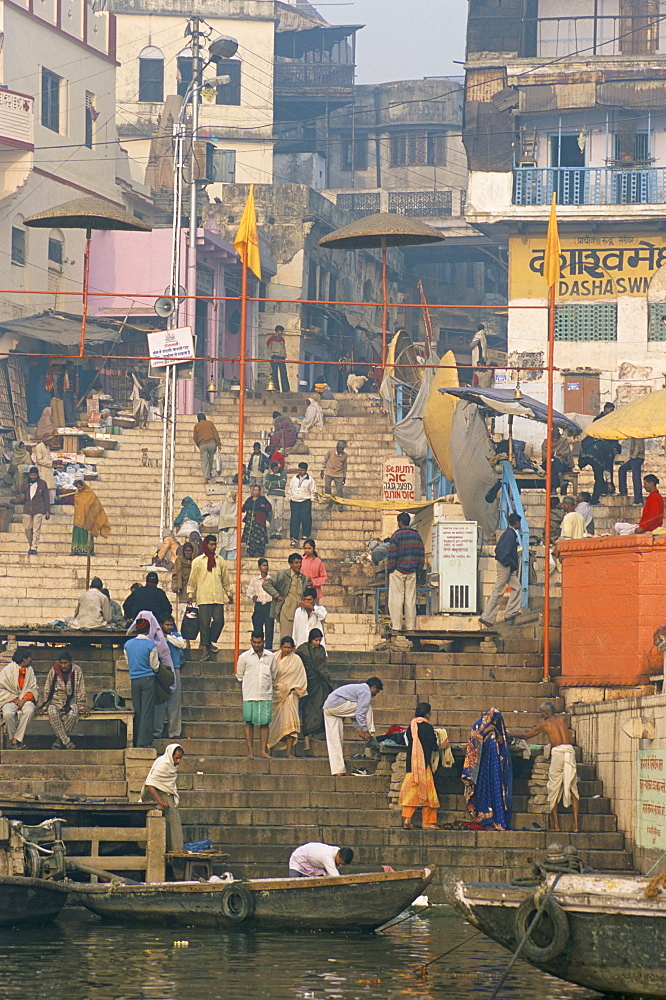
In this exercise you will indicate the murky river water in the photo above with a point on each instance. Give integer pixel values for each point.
(79, 958)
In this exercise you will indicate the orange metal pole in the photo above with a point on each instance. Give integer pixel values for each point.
(549, 485)
(384, 305)
(86, 274)
(241, 427)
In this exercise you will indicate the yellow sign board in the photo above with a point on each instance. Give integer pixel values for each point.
(591, 267)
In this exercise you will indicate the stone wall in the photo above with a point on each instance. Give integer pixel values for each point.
(611, 734)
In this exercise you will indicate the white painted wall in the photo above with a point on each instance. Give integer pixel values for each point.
(247, 128)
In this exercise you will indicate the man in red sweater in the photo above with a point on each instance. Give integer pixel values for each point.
(653, 509)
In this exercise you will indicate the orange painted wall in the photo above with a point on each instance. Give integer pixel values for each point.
(613, 599)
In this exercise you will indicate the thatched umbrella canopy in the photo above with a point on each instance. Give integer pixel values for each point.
(88, 214)
(382, 230)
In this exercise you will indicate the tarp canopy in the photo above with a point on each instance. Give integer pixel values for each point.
(438, 414)
(61, 329)
(506, 401)
(471, 454)
(644, 417)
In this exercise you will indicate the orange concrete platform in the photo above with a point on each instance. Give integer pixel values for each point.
(613, 599)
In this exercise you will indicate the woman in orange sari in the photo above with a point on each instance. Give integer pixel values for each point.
(90, 520)
(418, 785)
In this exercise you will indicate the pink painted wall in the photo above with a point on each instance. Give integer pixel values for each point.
(130, 263)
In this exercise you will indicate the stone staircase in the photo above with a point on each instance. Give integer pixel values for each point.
(260, 809)
(38, 589)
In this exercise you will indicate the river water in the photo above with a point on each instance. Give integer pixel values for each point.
(80, 958)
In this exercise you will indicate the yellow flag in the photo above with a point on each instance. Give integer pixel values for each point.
(247, 238)
(551, 263)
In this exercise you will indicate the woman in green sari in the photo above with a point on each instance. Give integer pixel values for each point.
(90, 520)
(320, 685)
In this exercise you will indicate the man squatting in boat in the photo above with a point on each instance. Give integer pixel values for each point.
(562, 773)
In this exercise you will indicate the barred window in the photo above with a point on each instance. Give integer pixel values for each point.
(657, 321)
(586, 321)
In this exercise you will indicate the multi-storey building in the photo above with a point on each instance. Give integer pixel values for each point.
(57, 142)
(571, 101)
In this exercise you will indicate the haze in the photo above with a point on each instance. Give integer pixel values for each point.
(404, 39)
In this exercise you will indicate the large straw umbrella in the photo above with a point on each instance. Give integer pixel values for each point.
(88, 214)
(644, 417)
(382, 230)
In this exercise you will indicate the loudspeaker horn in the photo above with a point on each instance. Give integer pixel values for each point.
(164, 306)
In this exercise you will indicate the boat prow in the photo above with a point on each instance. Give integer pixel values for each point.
(349, 902)
(597, 931)
(26, 900)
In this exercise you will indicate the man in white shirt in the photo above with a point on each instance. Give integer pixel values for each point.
(307, 616)
(346, 701)
(573, 524)
(255, 670)
(302, 491)
(262, 623)
(315, 860)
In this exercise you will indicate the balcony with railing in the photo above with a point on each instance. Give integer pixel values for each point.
(635, 185)
(294, 78)
(16, 120)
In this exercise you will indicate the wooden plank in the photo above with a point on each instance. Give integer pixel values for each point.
(156, 846)
(106, 833)
(136, 863)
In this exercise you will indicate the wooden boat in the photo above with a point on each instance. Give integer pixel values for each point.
(350, 902)
(601, 931)
(30, 900)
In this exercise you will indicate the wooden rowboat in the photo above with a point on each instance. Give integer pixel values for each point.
(350, 902)
(30, 900)
(598, 931)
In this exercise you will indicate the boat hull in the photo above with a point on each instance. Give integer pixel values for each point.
(615, 940)
(350, 902)
(29, 900)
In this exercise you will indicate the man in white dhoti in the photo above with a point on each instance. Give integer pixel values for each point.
(562, 775)
(348, 701)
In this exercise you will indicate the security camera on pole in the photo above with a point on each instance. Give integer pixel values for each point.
(168, 305)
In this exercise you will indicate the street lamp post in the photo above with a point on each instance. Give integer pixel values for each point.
(222, 47)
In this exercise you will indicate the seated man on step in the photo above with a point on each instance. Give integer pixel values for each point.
(562, 775)
(18, 696)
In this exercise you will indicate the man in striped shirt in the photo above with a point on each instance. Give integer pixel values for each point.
(406, 557)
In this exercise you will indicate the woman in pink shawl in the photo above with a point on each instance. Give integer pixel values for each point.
(46, 429)
(284, 433)
(312, 567)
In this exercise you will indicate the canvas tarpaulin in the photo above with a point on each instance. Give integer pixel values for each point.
(471, 453)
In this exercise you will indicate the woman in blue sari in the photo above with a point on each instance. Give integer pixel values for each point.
(488, 772)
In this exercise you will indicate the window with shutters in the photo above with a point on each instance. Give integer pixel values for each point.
(436, 149)
(151, 74)
(91, 116)
(224, 166)
(354, 153)
(55, 254)
(586, 321)
(398, 150)
(50, 100)
(229, 93)
(18, 246)
(184, 71)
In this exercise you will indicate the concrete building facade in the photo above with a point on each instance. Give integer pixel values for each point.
(572, 103)
(58, 141)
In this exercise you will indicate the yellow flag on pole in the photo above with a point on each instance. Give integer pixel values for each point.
(247, 238)
(551, 262)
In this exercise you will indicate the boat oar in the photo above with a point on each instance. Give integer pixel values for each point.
(422, 970)
(535, 920)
